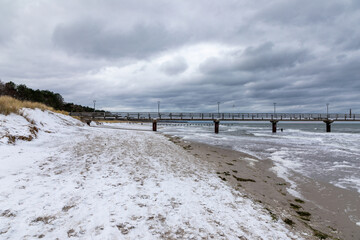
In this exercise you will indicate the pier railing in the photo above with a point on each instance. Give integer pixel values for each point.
(143, 116)
(274, 118)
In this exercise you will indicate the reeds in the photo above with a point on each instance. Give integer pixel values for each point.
(11, 105)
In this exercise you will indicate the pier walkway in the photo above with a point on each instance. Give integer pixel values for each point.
(274, 118)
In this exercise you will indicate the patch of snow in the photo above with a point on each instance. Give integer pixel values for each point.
(251, 161)
(23, 153)
(50, 121)
(282, 170)
(348, 182)
(13, 125)
(129, 125)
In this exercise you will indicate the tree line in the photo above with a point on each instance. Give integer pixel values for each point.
(54, 100)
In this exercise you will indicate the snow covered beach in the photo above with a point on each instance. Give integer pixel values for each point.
(82, 182)
(75, 181)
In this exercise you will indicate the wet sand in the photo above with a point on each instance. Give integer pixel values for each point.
(322, 212)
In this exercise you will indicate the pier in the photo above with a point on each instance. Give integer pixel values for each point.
(216, 118)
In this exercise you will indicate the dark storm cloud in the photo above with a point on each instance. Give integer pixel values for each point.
(187, 54)
(290, 77)
(302, 12)
(264, 57)
(259, 58)
(92, 38)
(351, 42)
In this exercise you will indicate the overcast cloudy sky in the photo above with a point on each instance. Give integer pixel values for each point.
(189, 55)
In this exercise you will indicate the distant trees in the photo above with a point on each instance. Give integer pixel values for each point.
(9, 89)
(54, 100)
(70, 107)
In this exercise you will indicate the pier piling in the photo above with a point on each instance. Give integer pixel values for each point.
(328, 125)
(216, 122)
(274, 125)
(154, 125)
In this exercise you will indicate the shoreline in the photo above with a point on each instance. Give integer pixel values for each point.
(323, 211)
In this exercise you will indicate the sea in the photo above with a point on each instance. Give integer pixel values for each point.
(302, 147)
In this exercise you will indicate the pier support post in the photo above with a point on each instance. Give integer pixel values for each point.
(328, 125)
(154, 125)
(274, 125)
(216, 123)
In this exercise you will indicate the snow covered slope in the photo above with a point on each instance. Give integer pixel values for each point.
(100, 183)
(21, 127)
(24, 137)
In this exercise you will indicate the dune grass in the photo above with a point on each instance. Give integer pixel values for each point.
(11, 105)
(61, 111)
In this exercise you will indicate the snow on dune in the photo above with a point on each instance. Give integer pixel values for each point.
(99, 183)
(146, 126)
(50, 121)
(13, 125)
(50, 128)
(20, 125)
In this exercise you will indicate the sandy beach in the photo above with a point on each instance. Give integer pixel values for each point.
(322, 210)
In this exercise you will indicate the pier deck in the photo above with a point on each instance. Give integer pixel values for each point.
(274, 118)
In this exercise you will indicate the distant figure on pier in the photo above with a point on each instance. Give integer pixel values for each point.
(281, 129)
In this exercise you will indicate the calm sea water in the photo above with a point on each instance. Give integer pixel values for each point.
(302, 147)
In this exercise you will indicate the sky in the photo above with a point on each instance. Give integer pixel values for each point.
(189, 55)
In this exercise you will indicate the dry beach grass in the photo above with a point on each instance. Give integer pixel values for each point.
(11, 105)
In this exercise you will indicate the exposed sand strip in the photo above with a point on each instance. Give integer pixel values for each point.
(329, 206)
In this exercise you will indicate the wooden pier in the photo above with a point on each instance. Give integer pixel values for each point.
(216, 118)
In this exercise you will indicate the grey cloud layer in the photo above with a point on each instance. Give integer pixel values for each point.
(174, 66)
(259, 58)
(91, 38)
(300, 54)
